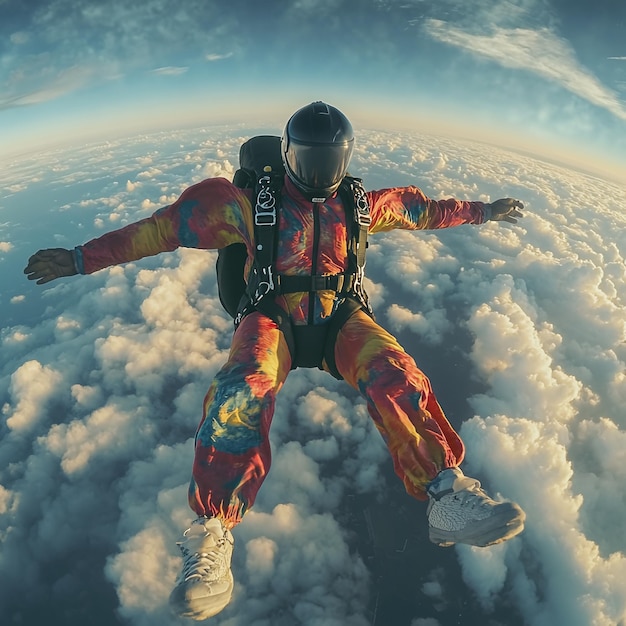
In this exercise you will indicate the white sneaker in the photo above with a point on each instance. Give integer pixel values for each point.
(205, 584)
(459, 511)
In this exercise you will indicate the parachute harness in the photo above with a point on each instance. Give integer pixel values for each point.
(264, 284)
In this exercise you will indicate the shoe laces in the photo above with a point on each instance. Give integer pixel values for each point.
(472, 496)
(210, 563)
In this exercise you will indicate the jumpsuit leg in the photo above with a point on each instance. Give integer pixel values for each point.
(232, 449)
(401, 402)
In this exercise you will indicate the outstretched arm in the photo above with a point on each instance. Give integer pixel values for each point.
(209, 215)
(144, 238)
(409, 208)
(46, 265)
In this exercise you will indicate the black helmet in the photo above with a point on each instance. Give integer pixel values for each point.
(316, 147)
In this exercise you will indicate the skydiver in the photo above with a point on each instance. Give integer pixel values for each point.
(232, 448)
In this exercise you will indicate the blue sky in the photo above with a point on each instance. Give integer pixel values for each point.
(543, 75)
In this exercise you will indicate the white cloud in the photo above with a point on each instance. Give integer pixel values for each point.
(218, 57)
(170, 71)
(32, 387)
(62, 82)
(540, 51)
(17, 187)
(541, 304)
(431, 328)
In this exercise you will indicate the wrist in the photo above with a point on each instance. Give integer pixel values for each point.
(77, 260)
(487, 212)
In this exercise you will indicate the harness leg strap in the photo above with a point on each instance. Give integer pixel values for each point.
(347, 309)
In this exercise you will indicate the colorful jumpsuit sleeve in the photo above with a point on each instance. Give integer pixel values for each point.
(209, 215)
(409, 208)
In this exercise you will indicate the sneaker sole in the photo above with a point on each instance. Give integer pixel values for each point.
(502, 526)
(181, 605)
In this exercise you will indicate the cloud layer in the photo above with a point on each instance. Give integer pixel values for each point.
(520, 328)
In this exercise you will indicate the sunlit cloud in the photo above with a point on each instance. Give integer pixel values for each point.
(169, 71)
(37, 84)
(105, 386)
(539, 51)
(218, 57)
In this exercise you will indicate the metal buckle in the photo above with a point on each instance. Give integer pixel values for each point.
(265, 286)
(359, 278)
(361, 206)
(265, 209)
(364, 219)
(265, 218)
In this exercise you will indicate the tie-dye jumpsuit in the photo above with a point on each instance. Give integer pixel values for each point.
(232, 449)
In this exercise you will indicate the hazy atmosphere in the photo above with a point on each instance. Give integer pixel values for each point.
(108, 111)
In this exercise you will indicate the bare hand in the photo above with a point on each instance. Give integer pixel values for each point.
(505, 210)
(46, 265)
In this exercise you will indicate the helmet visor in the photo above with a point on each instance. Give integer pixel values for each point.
(319, 166)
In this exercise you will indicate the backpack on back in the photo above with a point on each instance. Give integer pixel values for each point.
(255, 154)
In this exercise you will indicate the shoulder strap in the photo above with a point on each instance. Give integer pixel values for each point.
(362, 217)
(265, 227)
(254, 155)
(262, 279)
(353, 195)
